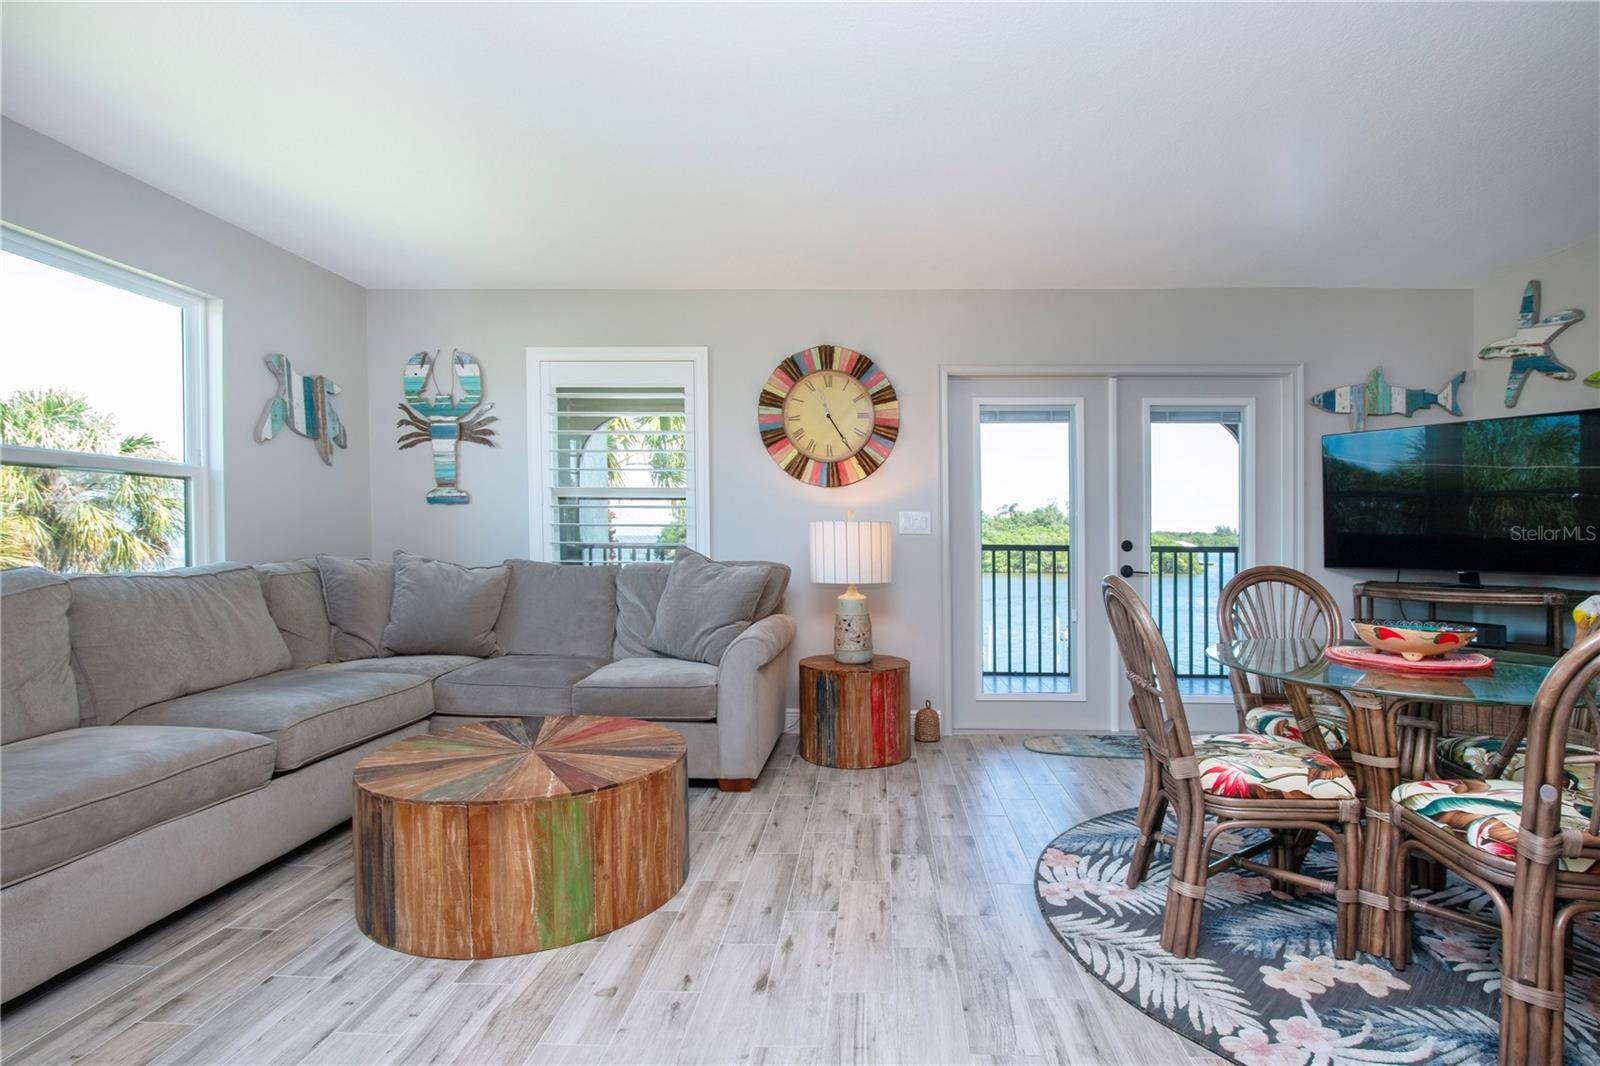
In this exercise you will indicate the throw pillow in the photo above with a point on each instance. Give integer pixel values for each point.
(357, 592)
(443, 608)
(704, 606)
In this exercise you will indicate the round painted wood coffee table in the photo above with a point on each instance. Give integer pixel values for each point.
(856, 716)
(519, 834)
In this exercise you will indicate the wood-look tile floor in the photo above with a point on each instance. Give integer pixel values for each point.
(832, 916)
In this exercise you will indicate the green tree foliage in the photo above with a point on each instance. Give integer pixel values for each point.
(1048, 526)
(76, 521)
(665, 436)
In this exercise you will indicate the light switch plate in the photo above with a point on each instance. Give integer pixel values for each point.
(915, 522)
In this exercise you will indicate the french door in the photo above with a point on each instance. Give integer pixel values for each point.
(1058, 480)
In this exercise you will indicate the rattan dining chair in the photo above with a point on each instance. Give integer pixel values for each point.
(1278, 601)
(1239, 780)
(1532, 846)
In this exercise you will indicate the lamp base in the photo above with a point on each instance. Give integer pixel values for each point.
(852, 628)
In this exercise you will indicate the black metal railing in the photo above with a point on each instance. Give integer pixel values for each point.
(1027, 605)
(1185, 587)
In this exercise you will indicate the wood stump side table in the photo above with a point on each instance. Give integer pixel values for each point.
(855, 716)
(518, 834)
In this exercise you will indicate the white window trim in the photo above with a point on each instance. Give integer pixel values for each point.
(203, 520)
(541, 461)
(1079, 692)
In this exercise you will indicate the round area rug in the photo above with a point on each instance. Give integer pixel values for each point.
(1266, 989)
(1088, 745)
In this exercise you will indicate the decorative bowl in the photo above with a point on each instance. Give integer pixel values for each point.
(1413, 641)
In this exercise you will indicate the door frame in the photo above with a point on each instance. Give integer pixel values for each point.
(1075, 604)
(1291, 379)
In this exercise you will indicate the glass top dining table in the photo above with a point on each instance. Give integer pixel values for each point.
(1373, 700)
(1513, 681)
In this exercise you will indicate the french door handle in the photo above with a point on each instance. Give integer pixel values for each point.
(1128, 571)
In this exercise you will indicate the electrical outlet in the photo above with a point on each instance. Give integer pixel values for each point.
(915, 522)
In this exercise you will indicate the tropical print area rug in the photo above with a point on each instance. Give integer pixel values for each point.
(1088, 745)
(1266, 989)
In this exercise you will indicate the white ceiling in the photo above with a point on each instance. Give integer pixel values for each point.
(835, 146)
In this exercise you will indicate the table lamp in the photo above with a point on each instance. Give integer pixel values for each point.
(850, 553)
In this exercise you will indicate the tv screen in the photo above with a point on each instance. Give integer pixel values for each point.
(1518, 495)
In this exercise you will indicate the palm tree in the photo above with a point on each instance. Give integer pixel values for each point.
(82, 520)
(664, 437)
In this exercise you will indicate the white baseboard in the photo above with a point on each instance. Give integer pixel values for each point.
(791, 720)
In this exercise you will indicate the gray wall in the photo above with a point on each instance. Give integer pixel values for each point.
(1421, 337)
(279, 499)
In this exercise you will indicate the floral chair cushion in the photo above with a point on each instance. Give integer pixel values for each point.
(1277, 720)
(1248, 766)
(1474, 753)
(1486, 814)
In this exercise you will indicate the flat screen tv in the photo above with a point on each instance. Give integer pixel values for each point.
(1511, 495)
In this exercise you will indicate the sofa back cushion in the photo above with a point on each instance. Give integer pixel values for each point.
(38, 694)
(293, 592)
(704, 606)
(443, 608)
(358, 593)
(639, 588)
(558, 610)
(139, 639)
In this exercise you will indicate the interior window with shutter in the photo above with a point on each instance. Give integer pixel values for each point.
(619, 461)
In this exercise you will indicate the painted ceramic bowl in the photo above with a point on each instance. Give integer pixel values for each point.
(1414, 640)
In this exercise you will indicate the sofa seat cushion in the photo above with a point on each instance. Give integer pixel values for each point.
(651, 689)
(428, 666)
(310, 713)
(1278, 720)
(513, 684)
(67, 794)
(1487, 814)
(1247, 766)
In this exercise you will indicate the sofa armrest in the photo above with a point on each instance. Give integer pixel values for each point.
(751, 681)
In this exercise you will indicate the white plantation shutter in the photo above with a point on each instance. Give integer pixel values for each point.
(620, 441)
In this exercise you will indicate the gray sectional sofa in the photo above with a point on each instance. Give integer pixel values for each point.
(163, 734)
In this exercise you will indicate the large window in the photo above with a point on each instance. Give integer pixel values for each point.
(102, 433)
(618, 453)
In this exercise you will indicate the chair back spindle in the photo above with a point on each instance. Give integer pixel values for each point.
(1273, 601)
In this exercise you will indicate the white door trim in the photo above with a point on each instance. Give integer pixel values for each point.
(1291, 377)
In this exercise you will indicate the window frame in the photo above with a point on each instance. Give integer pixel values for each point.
(549, 367)
(203, 490)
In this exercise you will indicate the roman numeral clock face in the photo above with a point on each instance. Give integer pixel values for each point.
(828, 416)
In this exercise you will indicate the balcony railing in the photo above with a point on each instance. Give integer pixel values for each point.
(1185, 587)
(1027, 606)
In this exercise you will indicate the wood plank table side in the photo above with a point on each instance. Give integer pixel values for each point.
(855, 716)
(519, 834)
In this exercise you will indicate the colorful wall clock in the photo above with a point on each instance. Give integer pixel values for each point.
(828, 416)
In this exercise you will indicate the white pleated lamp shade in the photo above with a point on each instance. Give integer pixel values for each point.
(850, 553)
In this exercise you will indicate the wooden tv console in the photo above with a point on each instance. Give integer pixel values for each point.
(1556, 604)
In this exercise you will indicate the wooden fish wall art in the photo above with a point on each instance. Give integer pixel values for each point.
(1529, 347)
(303, 404)
(1376, 396)
(445, 419)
